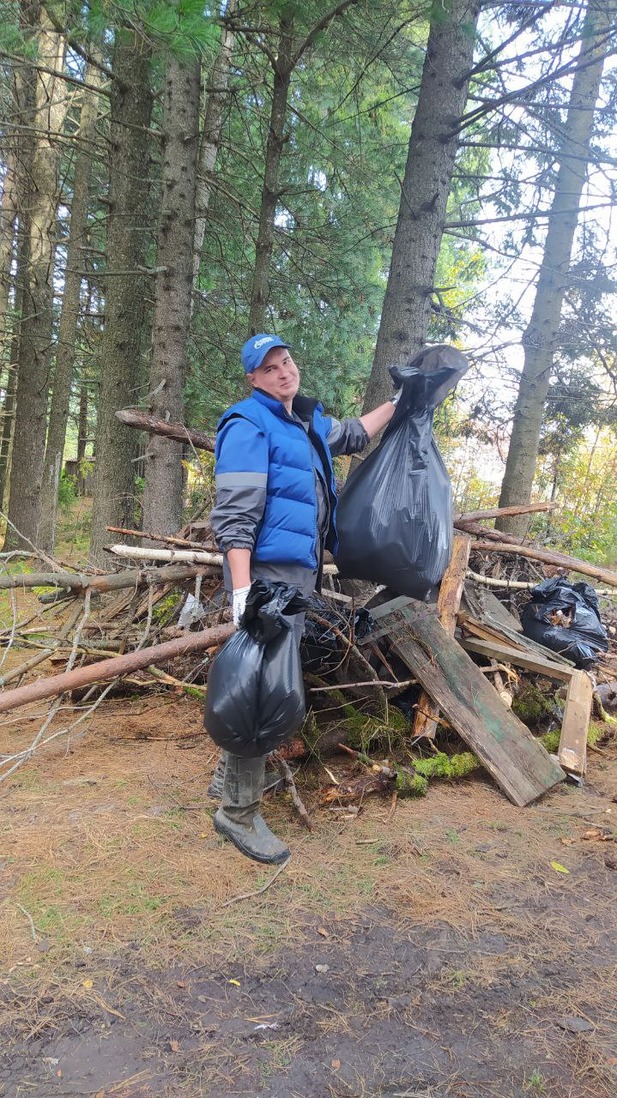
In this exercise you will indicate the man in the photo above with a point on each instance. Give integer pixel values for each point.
(275, 513)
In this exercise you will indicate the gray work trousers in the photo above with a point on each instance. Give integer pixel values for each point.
(303, 578)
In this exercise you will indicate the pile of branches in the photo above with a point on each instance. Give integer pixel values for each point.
(160, 621)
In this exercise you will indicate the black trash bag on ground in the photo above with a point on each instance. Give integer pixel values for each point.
(255, 695)
(394, 515)
(321, 648)
(565, 618)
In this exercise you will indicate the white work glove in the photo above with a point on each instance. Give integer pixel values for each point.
(239, 602)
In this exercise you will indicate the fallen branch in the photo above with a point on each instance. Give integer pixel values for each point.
(561, 560)
(190, 556)
(285, 770)
(117, 667)
(81, 582)
(498, 512)
(469, 527)
(132, 417)
(17, 672)
(519, 585)
(169, 539)
(199, 556)
(259, 891)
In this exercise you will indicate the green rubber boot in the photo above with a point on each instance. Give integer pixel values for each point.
(272, 781)
(238, 817)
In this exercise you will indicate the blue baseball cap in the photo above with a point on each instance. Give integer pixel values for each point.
(256, 348)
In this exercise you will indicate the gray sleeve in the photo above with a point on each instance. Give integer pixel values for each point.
(347, 436)
(239, 508)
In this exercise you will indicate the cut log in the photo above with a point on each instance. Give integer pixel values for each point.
(515, 759)
(105, 670)
(133, 417)
(448, 601)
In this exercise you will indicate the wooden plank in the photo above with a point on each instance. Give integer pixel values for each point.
(572, 751)
(517, 761)
(508, 654)
(426, 717)
(503, 635)
(487, 608)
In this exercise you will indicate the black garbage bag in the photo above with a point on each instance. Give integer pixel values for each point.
(322, 648)
(394, 516)
(565, 618)
(255, 696)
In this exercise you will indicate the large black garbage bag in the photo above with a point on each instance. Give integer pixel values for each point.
(255, 696)
(322, 648)
(565, 618)
(394, 516)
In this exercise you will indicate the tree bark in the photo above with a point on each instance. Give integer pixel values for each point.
(540, 339)
(39, 155)
(217, 97)
(8, 220)
(9, 330)
(428, 175)
(260, 288)
(69, 317)
(162, 502)
(120, 348)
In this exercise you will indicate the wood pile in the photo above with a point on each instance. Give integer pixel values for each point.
(157, 624)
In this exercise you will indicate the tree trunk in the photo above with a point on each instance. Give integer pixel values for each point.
(9, 329)
(10, 396)
(426, 186)
(39, 155)
(541, 336)
(210, 139)
(260, 289)
(162, 504)
(69, 317)
(8, 219)
(119, 356)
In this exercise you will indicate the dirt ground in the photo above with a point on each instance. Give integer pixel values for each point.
(453, 945)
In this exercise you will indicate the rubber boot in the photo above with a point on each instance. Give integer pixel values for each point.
(215, 790)
(239, 818)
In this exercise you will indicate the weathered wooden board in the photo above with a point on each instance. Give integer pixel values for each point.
(448, 602)
(503, 635)
(517, 761)
(572, 751)
(509, 654)
(486, 607)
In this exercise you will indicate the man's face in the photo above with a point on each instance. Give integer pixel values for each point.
(277, 376)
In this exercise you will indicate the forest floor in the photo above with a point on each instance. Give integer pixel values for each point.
(454, 945)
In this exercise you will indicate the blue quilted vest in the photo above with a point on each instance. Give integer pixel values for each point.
(288, 531)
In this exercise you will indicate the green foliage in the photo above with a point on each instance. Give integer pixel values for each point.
(13, 38)
(67, 490)
(182, 27)
(583, 482)
(348, 129)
